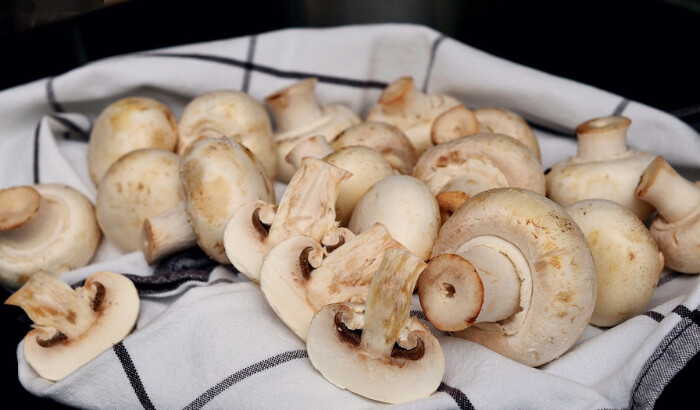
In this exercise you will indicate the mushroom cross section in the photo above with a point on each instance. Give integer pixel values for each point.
(377, 350)
(516, 266)
(297, 278)
(306, 208)
(71, 327)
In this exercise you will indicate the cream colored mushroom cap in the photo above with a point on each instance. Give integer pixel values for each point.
(628, 261)
(502, 121)
(141, 184)
(127, 125)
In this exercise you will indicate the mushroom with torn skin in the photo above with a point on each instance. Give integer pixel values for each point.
(127, 125)
(604, 167)
(141, 184)
(406, 207)
(306, 208)
(47, 227)
(412, 111)
(458, 169)
(384, 138)
(72, 327)
(232, 114)
(627, 260)
(298, 116)
(376, 350)
(502, 121)
(218, 176)
(676, 228)
(299, 275)
(513, 264)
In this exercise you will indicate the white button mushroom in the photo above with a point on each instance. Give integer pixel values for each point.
(232, 114)
(676, 228)
(627, 260)
(72, 327)
(604, 167)
(514, 264)
(298, 116)
(127, 125)
(46, 227)
(502, 121)
(377, 350)
(455, 123)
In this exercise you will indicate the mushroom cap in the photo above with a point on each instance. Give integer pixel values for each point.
(19, 205)
(219, 175)
(562, 285)
(406, 207)
(384, 138)
(59, 235)
(232, 114)
(679, 241)
(457, 122)
(141, 184)
(489, 157)
(386, 379)
(628, 262)
(502, 121)
(127, 125)
(116, 317)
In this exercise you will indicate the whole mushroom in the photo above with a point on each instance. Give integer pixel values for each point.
(502, 121)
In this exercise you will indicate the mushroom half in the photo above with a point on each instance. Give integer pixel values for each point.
(376, 350)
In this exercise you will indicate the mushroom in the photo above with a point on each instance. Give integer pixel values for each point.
(676, 228)
(315, 146)
(458, 169)
(231, 114)
(218, 176)
(127, 125)
(47, 227)
(411, 110)
(298, 115)
(384, 138)
(513, 264)
(72, 327)
(627, 260)
(604, 167)
(455, 123)
(299, 275)
(141, 184)
(306, 208)
(406, 207)
(502, 121)
(376, 350)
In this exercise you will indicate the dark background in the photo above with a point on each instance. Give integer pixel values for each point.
(644, 50)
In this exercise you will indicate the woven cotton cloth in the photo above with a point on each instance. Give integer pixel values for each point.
(205, 336)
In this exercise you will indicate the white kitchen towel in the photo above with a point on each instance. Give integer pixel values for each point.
(205, 336)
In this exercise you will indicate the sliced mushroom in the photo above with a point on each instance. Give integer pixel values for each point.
(127, 125)
(307, 208)
(376, 350)
(47, 227)
(676, 228)
(627, 260)
(412, 111)
(298, 116)
(502, 121)
(232, 114)
(72, 327)
(297, 278)
(516, 266)
(604, 167)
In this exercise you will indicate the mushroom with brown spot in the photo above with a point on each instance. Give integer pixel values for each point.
(513, 272)
(48, 227)
(377, 350)
(72, 327)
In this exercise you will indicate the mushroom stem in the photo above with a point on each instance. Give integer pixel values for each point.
(603, 137)
(389, 301)
(315, 146)
(167, 233)
(40, 227)
(294, 106)
(663, 187)
(402, 98)
(51, 303)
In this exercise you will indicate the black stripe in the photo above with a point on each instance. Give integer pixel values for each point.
(671, 276)
(621, 107)
(133, 375)
(654, 315)
(273, 71)
(251, 55)
(154, 285)
(433, 52)
(51, 96)
(419, 314)
(71, 125)
(36, 152)
(240, 375)
(459, 397)
(686, 313)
